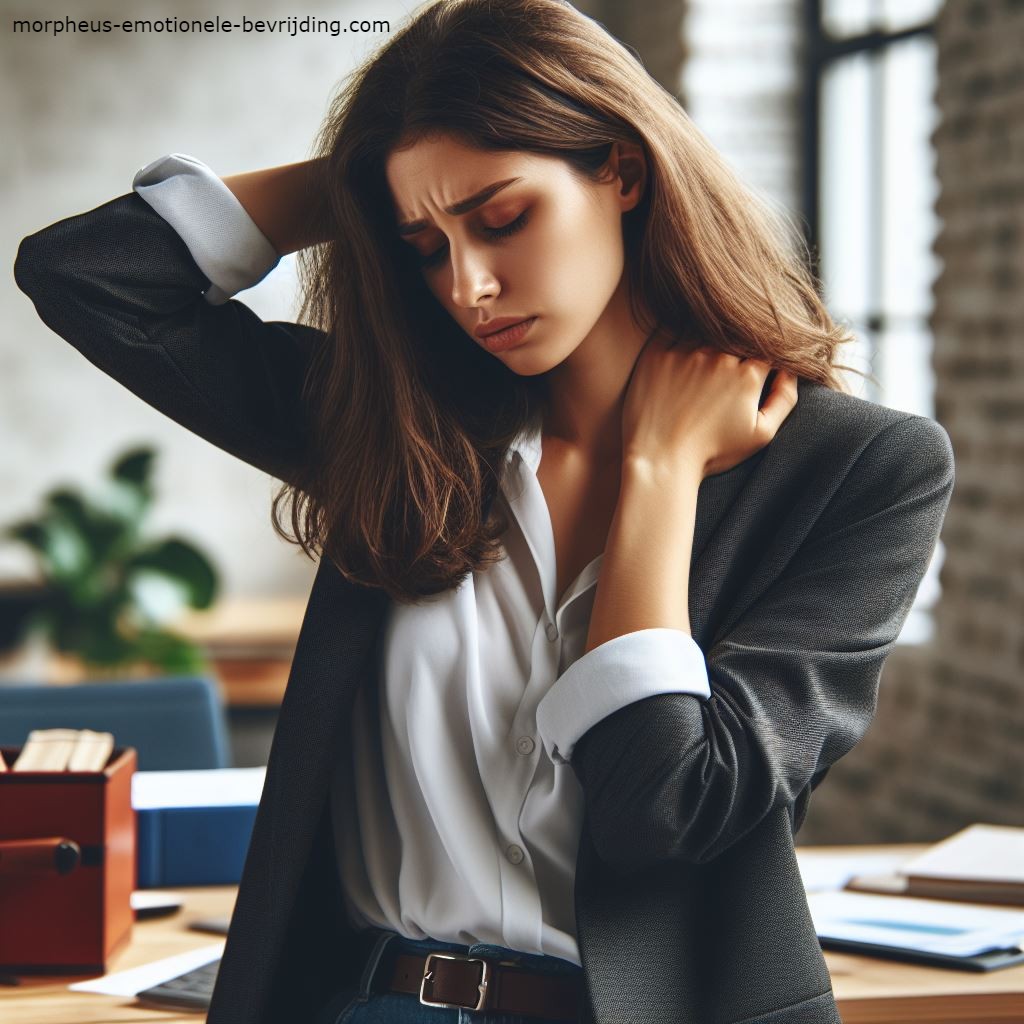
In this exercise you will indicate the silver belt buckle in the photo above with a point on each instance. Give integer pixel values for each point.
(428, 975)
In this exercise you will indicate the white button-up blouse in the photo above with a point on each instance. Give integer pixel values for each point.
(462, 817)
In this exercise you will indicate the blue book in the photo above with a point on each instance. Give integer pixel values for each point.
(194, 826)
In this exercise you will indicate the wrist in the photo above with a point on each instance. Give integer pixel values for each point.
(283, 204)
(665, 469)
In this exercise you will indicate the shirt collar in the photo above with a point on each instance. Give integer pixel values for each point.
(527, 445)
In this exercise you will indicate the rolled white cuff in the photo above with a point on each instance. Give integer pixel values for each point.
(618, 672)
(223, 239)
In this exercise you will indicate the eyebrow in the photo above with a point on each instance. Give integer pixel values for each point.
(463, 206)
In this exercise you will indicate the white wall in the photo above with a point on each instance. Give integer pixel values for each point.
(80, 114)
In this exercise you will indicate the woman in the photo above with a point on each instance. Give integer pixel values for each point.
(601, 597)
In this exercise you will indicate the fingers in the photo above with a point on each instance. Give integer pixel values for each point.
(780, 402)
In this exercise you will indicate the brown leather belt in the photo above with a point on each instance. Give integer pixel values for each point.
(482, 983)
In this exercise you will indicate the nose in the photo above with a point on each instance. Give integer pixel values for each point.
(473, 277)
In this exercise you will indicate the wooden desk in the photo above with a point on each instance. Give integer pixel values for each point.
(868, 990)
(250, 642)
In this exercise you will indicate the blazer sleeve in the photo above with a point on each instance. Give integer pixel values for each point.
(794, 680)
(121, 285)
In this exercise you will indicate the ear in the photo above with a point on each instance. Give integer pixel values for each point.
(627, 163)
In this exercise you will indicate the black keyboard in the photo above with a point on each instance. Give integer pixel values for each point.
(189, 991)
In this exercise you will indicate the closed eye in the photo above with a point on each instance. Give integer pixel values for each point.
(503, 232)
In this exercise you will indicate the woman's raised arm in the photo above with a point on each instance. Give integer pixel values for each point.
(141, 286)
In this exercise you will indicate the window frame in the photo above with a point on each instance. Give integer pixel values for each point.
(822, 50)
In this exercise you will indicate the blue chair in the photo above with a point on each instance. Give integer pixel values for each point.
(173, 723)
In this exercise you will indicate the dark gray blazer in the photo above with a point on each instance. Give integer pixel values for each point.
(806, 558)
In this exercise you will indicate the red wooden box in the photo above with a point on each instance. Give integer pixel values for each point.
(70, 923)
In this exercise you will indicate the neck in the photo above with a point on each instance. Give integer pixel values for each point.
(586, 392)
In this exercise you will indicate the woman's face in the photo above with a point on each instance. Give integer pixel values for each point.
(532, 242)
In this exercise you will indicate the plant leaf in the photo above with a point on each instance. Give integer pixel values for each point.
(183, 563)
(103, 535)
(171, 651)
(29, 533)
(134, 467)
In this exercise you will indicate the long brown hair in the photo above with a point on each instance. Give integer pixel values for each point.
(409, 419)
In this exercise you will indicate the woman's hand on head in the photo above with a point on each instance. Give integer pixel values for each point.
(697, 408)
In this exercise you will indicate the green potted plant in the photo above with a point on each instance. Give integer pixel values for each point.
(107, 590)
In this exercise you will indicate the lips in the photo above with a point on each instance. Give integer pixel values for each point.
(508, 337)
(493, 326)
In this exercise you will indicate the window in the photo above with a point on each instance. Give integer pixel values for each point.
(869, 194)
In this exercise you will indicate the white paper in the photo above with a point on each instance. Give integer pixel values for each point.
(992, 853)
(832, 870)
(212, 787)
(934, 926)
(146, 899)
(133, 981)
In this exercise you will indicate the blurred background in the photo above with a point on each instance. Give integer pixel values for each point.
(889, 132)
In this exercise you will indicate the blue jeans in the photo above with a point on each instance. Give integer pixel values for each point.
(371, 1005)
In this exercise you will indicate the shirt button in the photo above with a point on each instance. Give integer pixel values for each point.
(524, 745)
(514, 854)
(552, 631)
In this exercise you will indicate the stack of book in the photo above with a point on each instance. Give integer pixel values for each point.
(979, 864)
(949, 919)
